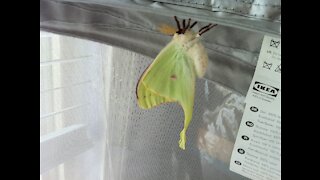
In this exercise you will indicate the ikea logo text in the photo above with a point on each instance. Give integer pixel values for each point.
(266, 89)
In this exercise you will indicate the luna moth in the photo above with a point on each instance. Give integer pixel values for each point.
(171, 76)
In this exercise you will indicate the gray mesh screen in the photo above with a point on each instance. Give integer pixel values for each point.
(143, 144)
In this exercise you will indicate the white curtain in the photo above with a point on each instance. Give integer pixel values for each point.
(72, 108)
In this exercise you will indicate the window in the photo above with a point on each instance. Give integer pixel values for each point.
(72, 108)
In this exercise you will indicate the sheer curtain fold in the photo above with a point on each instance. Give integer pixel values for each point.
(72, 108)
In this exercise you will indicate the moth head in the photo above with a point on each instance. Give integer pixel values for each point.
(186, 37)
(187, 28)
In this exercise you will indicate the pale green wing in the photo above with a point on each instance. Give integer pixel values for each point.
(170, 78)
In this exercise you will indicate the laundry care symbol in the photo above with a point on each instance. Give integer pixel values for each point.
(278, 69)
(267, 65)
(274, 43)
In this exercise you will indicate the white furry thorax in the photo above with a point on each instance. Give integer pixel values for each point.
(190, 42)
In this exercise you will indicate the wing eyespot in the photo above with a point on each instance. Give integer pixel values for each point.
(173, 77)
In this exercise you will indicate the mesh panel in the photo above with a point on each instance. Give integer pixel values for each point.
(143, 144)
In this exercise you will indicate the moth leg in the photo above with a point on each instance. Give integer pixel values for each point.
(189, 20)
(185, 27)
(193, 24)
(206, 28)
(178, 25)
(184, 24)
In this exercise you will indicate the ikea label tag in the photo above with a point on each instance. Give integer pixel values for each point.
(265, 88)
(257, 150)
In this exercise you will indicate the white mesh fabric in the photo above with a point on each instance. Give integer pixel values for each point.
(143, 144)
